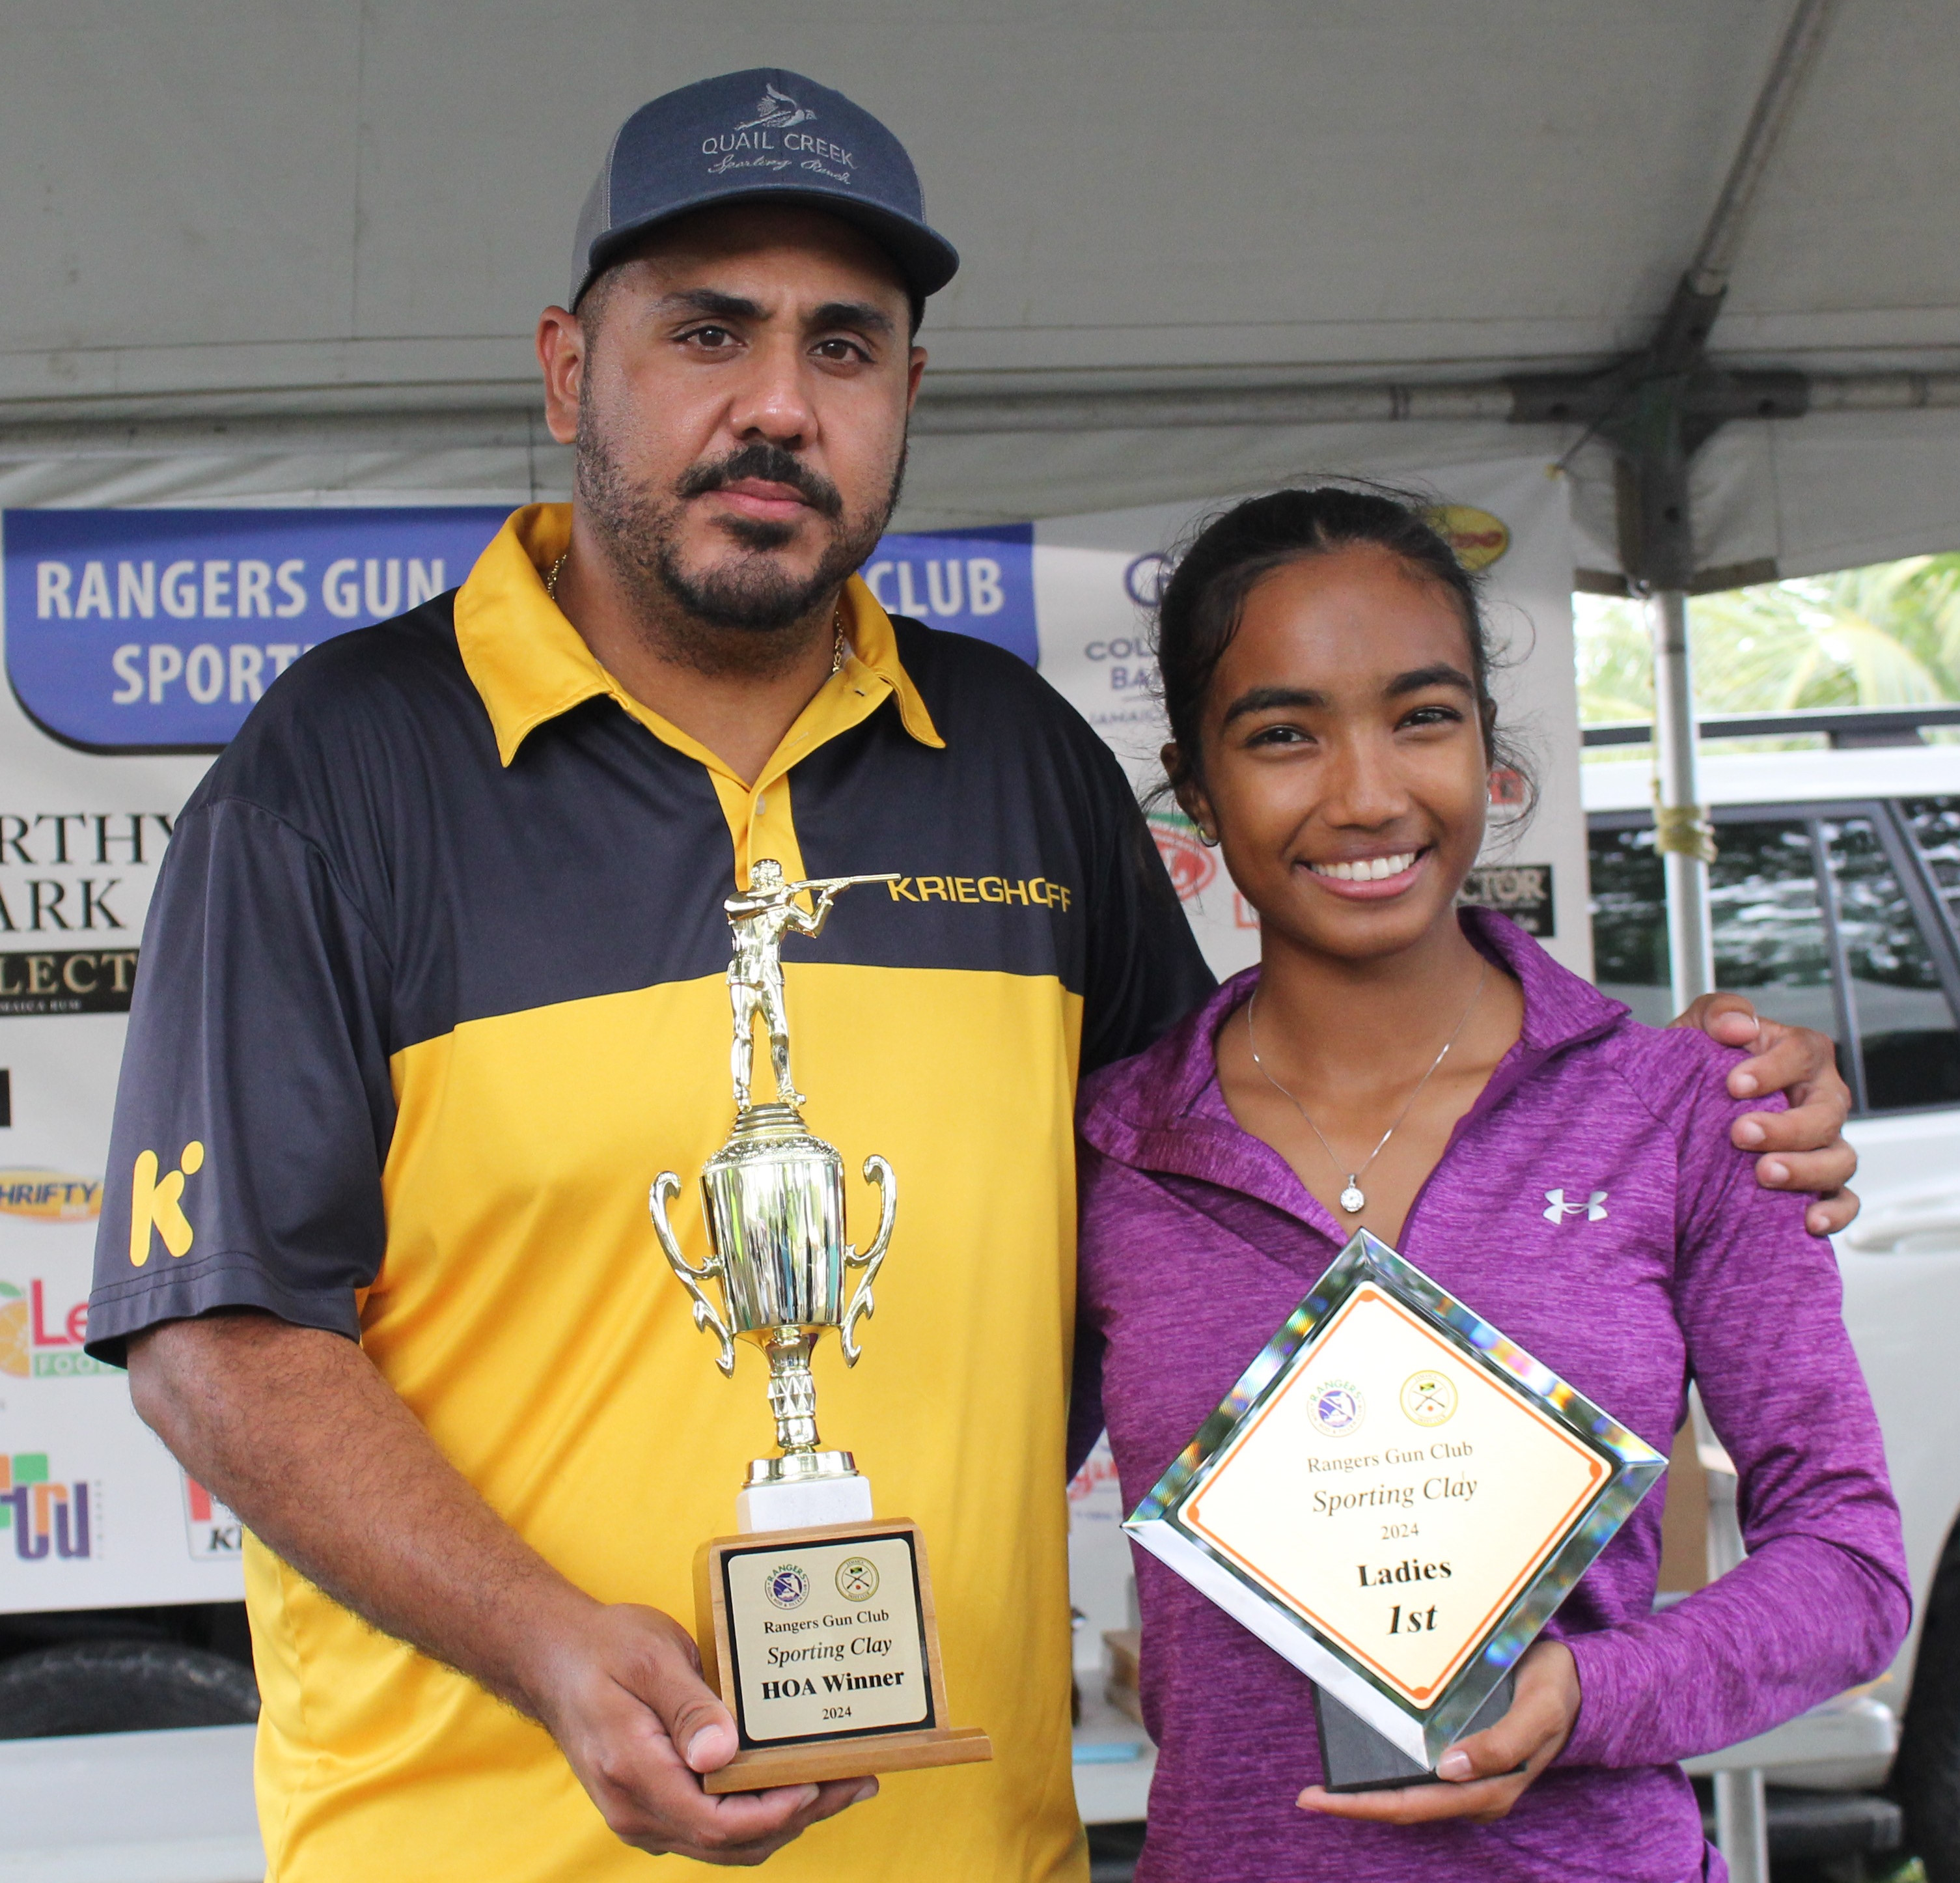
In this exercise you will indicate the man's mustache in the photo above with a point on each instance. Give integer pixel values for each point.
(769, 463)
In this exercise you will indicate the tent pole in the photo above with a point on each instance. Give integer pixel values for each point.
(1686, 840)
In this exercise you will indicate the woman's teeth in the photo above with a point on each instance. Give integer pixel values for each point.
(1371, 869)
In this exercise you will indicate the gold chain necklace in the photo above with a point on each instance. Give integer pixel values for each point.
(836, 619)
(1352, 1199)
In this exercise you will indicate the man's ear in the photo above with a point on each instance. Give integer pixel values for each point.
(913, 372)
(1191, 797)
(561, 351)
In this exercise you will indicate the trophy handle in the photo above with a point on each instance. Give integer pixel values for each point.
(666, 1187)
(876, 1170)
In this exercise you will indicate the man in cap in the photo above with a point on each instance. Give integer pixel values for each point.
(435, 982)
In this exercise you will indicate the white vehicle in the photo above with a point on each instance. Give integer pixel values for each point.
(1837, 896)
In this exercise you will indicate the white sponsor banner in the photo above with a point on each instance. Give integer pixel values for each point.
(93, 1512)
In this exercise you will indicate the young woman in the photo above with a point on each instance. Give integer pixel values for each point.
(1432, 1075)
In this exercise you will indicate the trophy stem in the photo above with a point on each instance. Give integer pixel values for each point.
(792, 1390)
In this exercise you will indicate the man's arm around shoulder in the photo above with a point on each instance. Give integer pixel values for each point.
(294, 1429)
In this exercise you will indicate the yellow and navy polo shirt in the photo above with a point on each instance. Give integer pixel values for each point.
(433, 985)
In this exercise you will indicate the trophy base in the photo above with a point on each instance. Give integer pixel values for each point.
(824, 1646)
(813, 1765)
(801, 1491)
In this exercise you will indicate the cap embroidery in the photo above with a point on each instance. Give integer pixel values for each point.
(777, 110)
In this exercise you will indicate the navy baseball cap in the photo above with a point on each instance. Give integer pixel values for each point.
(765, 136)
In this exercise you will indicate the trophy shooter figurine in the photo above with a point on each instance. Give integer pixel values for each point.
(761, 916)
(809, 1547)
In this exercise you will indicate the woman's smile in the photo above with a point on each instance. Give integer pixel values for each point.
(1371, 879)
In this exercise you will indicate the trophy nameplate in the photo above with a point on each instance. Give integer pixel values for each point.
(1396, 1498)
(816, 1624)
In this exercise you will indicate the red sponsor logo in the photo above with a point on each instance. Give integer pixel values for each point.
(1191, 864)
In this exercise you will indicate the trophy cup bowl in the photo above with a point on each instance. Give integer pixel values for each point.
(773, 1196)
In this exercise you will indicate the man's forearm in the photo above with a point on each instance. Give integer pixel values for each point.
(299, 1434)
(295, 1430)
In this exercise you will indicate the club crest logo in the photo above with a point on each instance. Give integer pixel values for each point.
(856, 1578)
(1338, 1408)
(788, 1587)
(776, 112)
(1429, 1398)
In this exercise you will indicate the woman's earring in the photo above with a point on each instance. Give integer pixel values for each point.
(1208, 838)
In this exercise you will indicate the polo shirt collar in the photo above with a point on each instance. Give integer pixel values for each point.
(530, 665)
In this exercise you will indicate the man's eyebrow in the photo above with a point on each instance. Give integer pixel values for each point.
(1440, 674)
(711, 301)
(1267, 699)
(861, 314)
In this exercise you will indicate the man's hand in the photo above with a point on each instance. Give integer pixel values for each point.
(1802, 1149)
(1483, 1781)
(620, 1690)
(295, 1430)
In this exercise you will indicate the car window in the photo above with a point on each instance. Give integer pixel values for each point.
(1771, 942)
(1907, 1040)
(1769, 936)
(1857, 965)
(1629, 923)
(1935, 825)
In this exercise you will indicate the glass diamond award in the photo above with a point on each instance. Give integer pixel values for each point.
(1396, 1498)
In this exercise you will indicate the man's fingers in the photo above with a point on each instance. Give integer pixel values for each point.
(1829, 1214)
(1795, 1059)
(1728, 1017)
(691, 1711)
(1819, 1172)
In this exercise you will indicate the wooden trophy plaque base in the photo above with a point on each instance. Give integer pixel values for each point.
(823, 1646)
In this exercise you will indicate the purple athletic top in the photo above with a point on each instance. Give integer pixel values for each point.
(1198, 1241)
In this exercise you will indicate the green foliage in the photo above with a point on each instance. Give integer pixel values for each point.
(1886, 635)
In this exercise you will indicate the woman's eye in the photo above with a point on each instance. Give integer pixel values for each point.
(1433, 716)
(1279, 735)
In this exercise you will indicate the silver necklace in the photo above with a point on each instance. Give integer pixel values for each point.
(1352, 1199)
(836, 619)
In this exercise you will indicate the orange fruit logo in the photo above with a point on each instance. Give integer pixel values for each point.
(13, 1332)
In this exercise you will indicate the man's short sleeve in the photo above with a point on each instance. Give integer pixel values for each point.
(254, 1106)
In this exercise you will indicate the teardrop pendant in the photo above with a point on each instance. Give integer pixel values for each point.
(1351, 1198)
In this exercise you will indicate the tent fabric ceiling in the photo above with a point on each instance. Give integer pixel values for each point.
(222, 207)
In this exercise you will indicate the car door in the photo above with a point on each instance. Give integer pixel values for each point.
(1841, 915)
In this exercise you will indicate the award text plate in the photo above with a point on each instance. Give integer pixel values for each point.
(823, 1645)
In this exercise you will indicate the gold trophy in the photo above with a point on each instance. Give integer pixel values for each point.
(816, 1622)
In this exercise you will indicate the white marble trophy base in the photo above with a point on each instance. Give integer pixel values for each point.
(798, 1492)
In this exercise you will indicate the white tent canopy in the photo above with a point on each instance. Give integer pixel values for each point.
(258, 252)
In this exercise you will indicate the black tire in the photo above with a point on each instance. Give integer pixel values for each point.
(1925, 1774)
(122, 1687)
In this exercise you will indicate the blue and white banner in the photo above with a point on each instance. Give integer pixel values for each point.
(157, 630)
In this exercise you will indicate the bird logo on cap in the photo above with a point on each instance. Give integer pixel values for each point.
(776, 111)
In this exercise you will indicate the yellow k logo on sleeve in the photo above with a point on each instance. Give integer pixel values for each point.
(158, 1206)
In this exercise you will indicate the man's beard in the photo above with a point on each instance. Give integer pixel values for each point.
(751, 593)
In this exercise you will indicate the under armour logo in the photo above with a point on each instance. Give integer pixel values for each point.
(1558, 1209)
